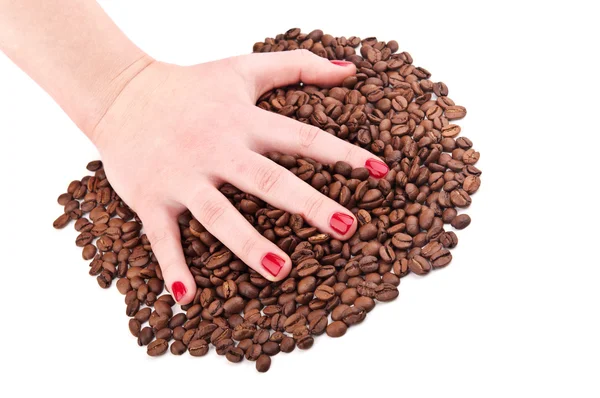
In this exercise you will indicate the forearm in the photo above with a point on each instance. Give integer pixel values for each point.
(73, 50)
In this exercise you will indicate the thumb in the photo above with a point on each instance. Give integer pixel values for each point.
(278, 69)
(163, 233)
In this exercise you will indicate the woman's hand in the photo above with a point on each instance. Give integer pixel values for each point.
(174, 134)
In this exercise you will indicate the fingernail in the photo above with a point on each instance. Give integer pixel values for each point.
(272, 263)
(340, 63)
(376, 168)
(178, 289)
(341, 223)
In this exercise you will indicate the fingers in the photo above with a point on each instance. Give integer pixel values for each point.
(277, 186)
(164, 235)
(278, 69)
(282, 134)
(223, 220)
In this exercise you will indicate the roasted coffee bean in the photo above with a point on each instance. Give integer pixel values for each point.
(145, 336)
(324, 292)
(235, 355)
(353, 315)
(253, 352)
(271, 348)
(461, 221)
(157, 347)
(385, 292)
(178, 348)
(336, 329)
(366, 303)
(263, 363)
(419, 265)
(134, 327)
(402, 241)
(223, 346)
(287, 344)
(198, 348)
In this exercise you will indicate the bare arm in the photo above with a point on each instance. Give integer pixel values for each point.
(73, 50)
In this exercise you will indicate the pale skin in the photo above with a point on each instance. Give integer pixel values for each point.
(170, 135)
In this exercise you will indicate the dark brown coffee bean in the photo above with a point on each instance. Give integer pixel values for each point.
(336, 329)
(157, 347)
(324, 292)
(89, 251)
(353, 315)
(402, 241)
(461, 221)
(253, 352)
(198, 348)
(263, 363)
(386, 292)
(287, 344)
(366, 303)
(419, 265)
(145, 336)
(235, 355)
(134, 327)
(178, 348)
(271, 348)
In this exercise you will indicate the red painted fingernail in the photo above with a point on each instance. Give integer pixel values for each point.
(340, 63)
(272, 263)
(376, 168)
(178, 289)
(341, 223)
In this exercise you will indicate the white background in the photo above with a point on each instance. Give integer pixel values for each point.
(515, 314)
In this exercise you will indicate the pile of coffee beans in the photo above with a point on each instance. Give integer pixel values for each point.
(391, 108)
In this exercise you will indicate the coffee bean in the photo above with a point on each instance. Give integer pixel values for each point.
(253, 352)
(353, 315)
(336, 329)
(287, 344)
(402, 241)
(263, 363)
(366, 303)
(178, 348)
(198, 348)
(235, 355)
(324, 292)
(157, 347)
(271, 348)
(461, 221)
(419, 265)
(145, 336)
(386, 292)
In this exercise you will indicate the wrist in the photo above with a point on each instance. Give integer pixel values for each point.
(106, 88)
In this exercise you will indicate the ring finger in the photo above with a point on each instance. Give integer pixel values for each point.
(222, 220)
(259, 176)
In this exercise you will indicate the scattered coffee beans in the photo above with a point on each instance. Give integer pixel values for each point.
(391, 108)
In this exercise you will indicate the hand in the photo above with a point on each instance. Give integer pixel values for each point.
(174, 134)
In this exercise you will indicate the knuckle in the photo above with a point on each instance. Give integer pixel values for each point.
(313, 206)
(267, 177)
(307, 134)
(157, 237)
(211, 211)
(303, 53)
(247, 247)
(351, 153)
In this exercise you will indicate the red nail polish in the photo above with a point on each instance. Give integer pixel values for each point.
(341, 223)
(272, 263)
(376, 168)
(340, 63)
(178, 289)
